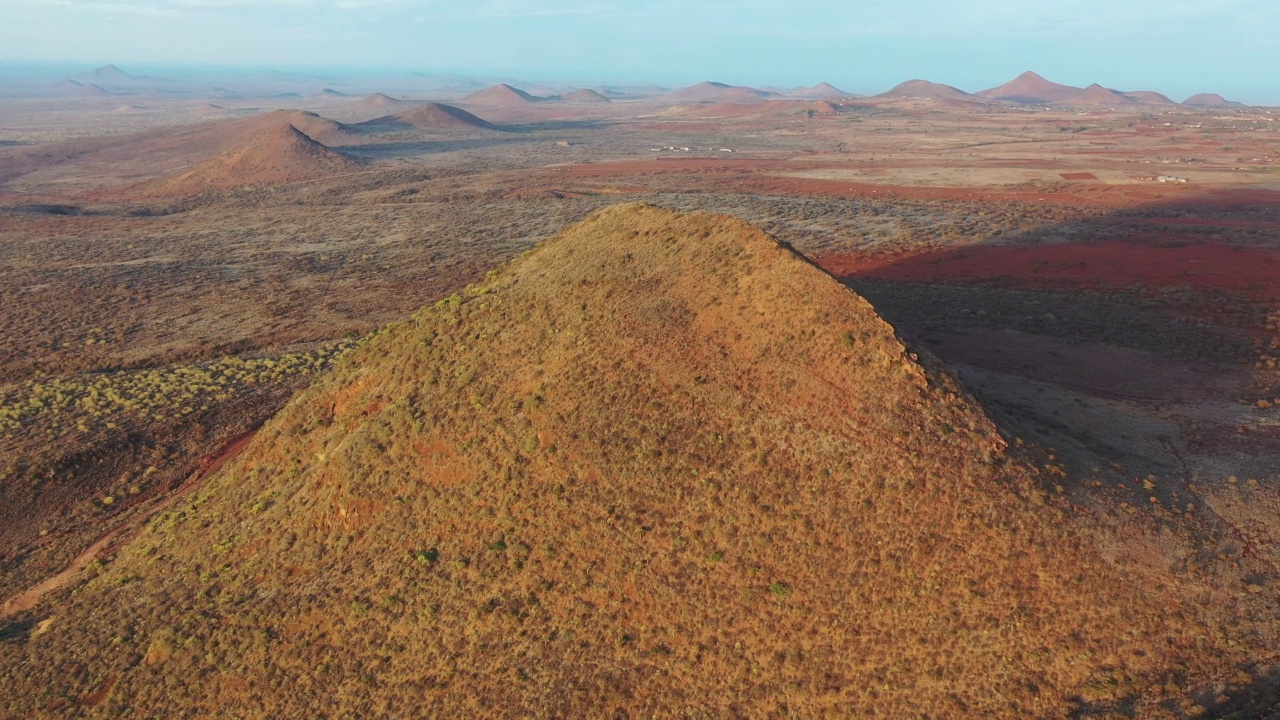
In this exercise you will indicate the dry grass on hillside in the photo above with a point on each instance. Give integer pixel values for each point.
(79, 452)
(661, 465)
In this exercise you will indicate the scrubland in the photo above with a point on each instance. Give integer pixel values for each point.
(619, 481)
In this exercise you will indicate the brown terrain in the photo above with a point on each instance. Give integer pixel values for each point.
(1029, 87)
(430, 116)
(1148, 97)
(926, 90)
(283, 154)
(1021, 460)
(586, 95)
(378, 104)
(1097, 95)
(821, 91)
(499, 95)
(1208, 100)
(714, 92)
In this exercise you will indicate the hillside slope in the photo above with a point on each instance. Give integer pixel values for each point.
(1095, 94)
(1030, 88)
(718, 93)
(283, 154)
(431, 116)
(378, 103)
(821, 91)
(169, 149)
(1150, 97)
(501, 94)
(587, 95)
(658, 466)
(929, 91)
(1211, 100)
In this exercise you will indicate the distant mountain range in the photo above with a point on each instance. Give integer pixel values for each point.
(716, 92)
(1029, 88)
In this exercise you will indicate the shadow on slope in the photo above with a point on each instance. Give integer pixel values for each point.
(1143, 369)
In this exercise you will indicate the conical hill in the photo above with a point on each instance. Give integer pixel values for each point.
(659, 466)
(282, 154)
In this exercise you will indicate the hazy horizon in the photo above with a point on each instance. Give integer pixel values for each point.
(1177, 48)
(393, 78)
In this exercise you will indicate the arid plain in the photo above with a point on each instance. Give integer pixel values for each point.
(1097, 272)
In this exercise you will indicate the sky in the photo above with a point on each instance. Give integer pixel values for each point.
(1178, 47)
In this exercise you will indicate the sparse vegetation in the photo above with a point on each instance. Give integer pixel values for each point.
(794, 457)
(610, 497)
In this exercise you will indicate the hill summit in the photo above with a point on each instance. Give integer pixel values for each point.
(1032, 89)
(821, 91)
(718, 92)
(586, 95)
(929, 91)
(106, 74)
(281, 154)
(231, 135)
(1150, 97)
(378, 102)
(432, 116)
(660, 465)
(1210, 100)
(501, 94)
(1095, 94)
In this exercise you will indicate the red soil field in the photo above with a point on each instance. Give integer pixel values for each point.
(758, 176)
(1251, 272)
(1213, 222)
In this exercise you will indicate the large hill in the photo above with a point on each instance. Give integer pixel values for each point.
(431, 116)
(586, 95)
(1211, 100)
(231, 134)
(378, 103)
(500, 95)
(821, 91)
(659, 466)
(171, 148)
(714, 92)
(1150, 97)
(1095, 94)
(929, 91)
(107, 74)
(1030, 88)
(282, 154)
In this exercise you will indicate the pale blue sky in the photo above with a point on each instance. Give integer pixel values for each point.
(1174, 46)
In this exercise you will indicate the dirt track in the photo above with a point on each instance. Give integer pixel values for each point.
(31, 597)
